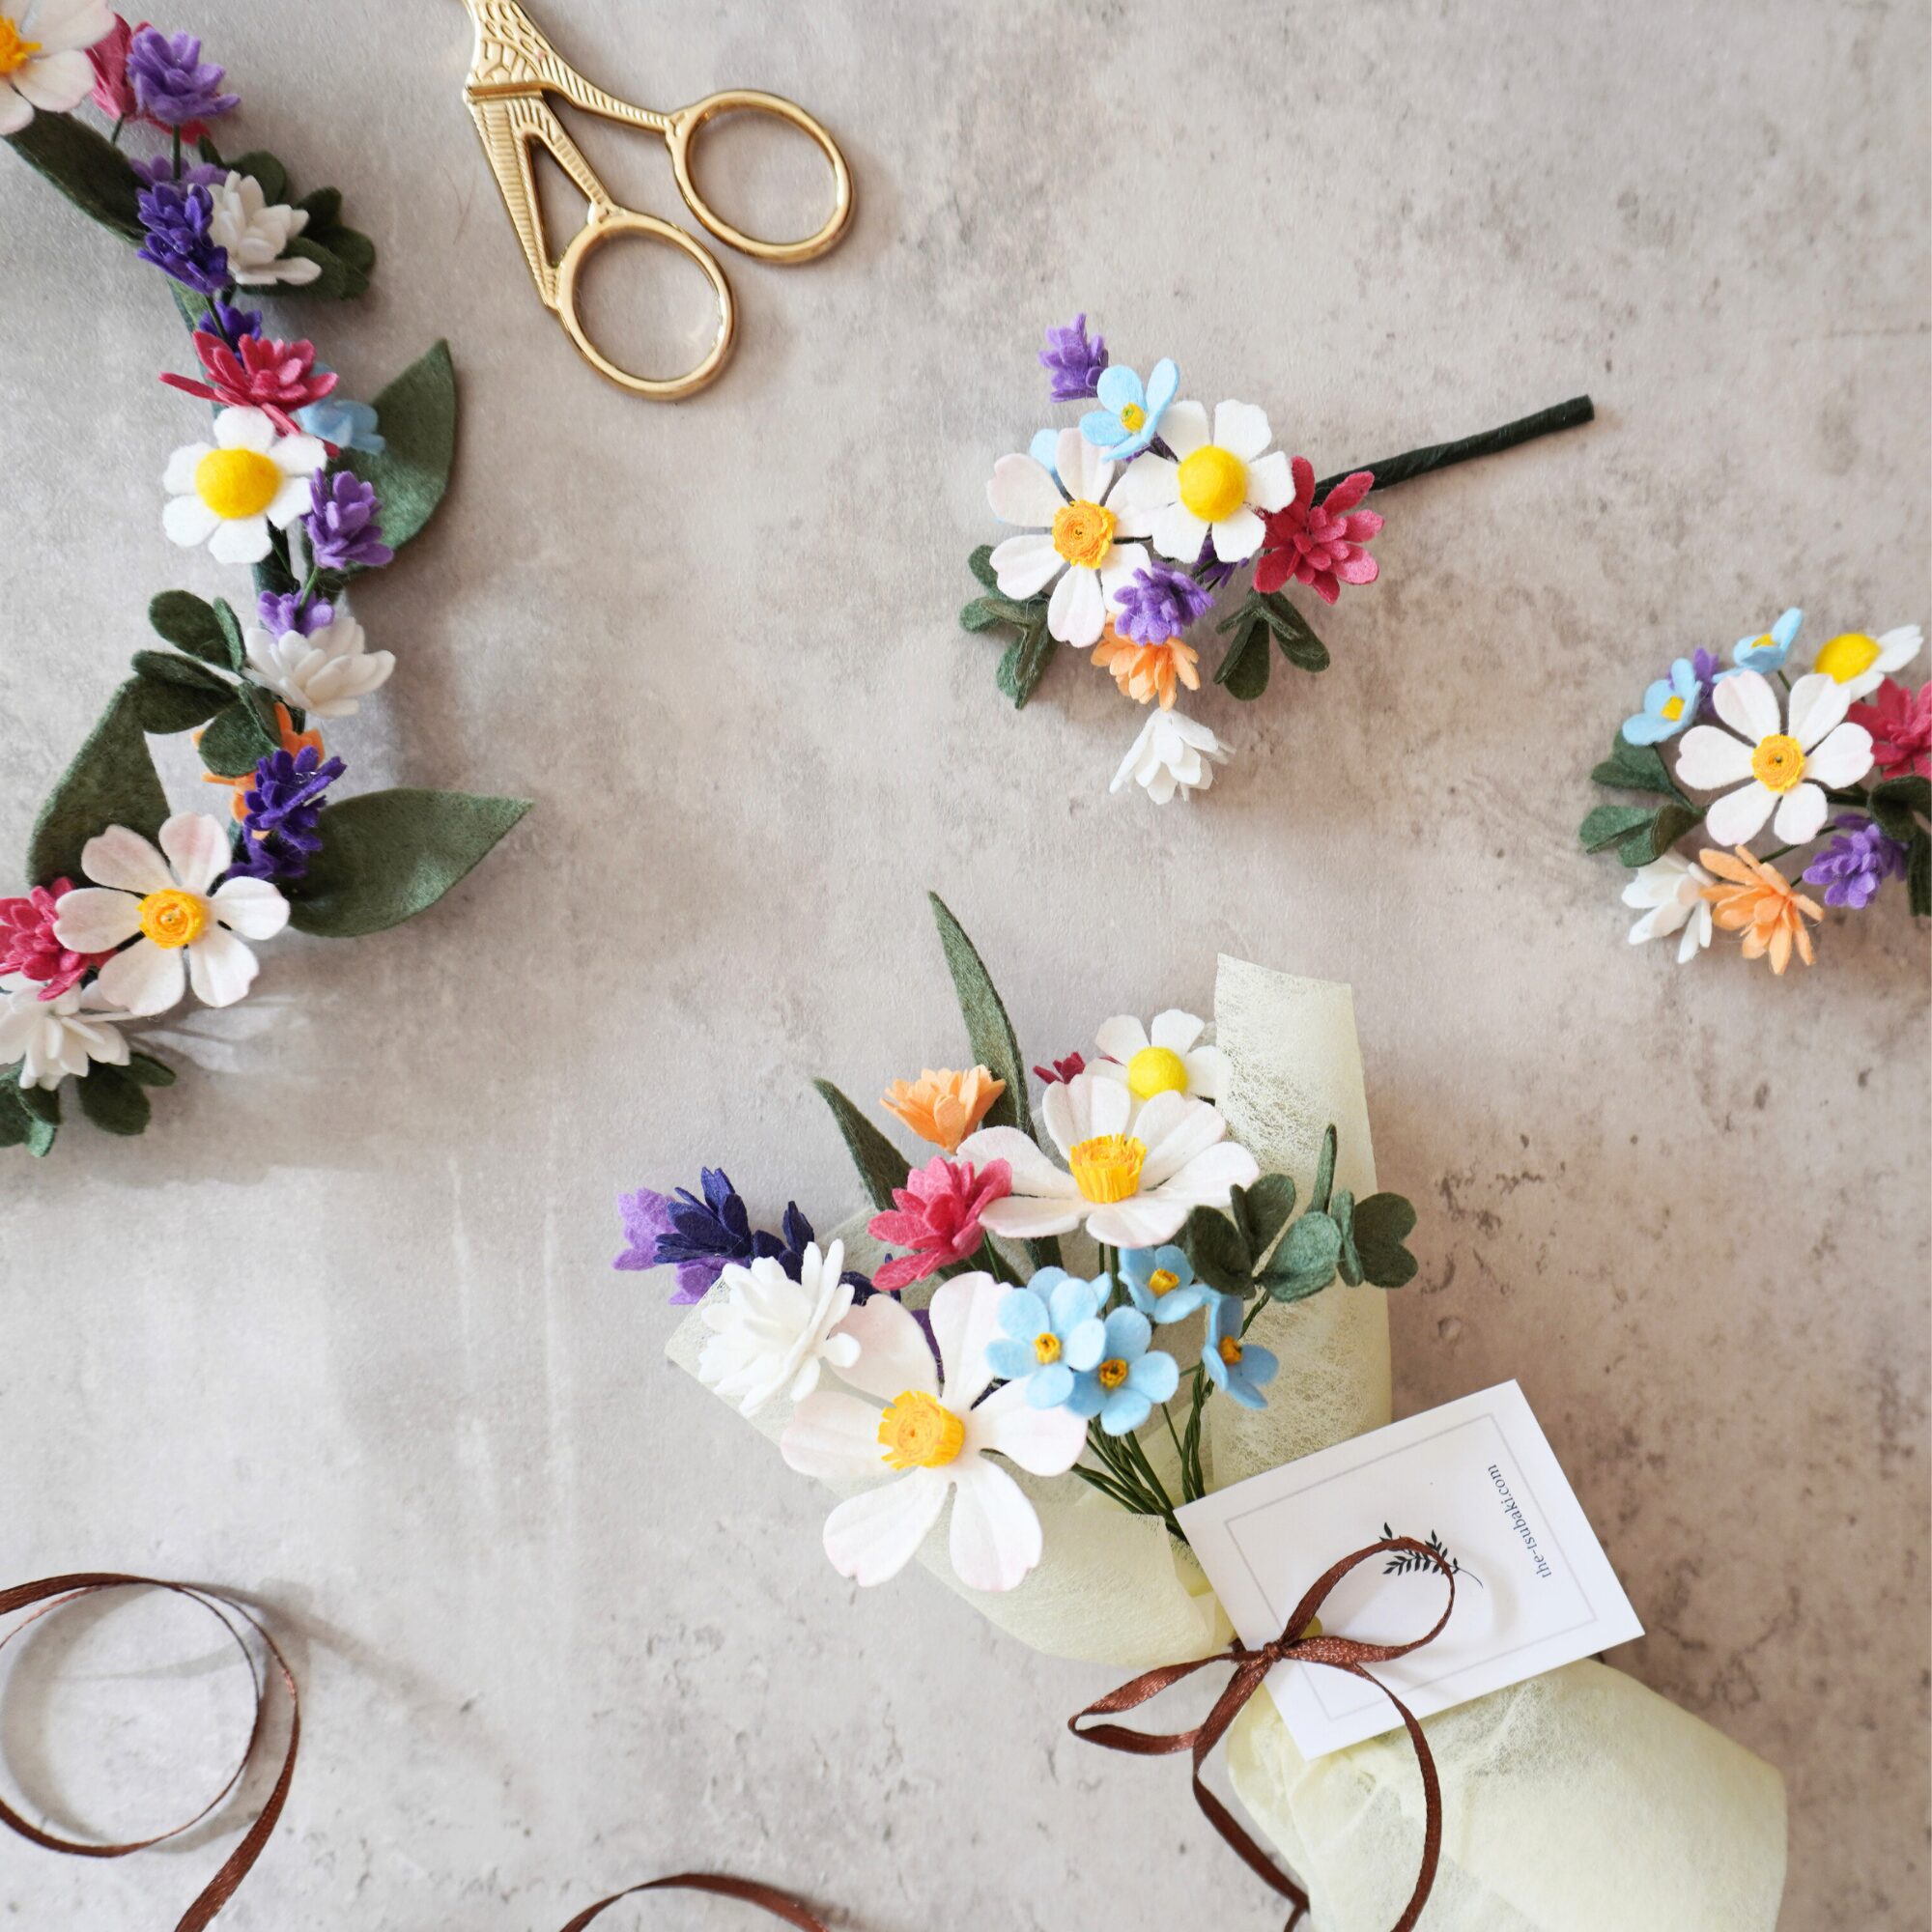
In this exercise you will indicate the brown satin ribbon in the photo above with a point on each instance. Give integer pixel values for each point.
(746, 1890)
(1251, 1668)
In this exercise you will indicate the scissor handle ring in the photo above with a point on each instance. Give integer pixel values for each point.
(606, 226)
(686, 123)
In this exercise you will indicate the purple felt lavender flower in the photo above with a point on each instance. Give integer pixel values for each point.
(233, 325)
(647, 1217)
(343, 524)
(283, 611)
(278, 831)
(1855, 863)
(1074, 360)
(172, 83)
(703, 1238)
(179, 242)
(159, 168)
(1706, 666)
(1160, 603)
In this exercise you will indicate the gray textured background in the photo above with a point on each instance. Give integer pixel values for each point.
(341, 1332)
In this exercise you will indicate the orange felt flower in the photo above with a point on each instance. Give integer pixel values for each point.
(1145, 672)
(293, 741)
(1755, 898)
(943, 1107)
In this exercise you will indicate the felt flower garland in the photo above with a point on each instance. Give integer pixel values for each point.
(131, 906)
(973, 1346)
(1131, 524)
(1835, 766)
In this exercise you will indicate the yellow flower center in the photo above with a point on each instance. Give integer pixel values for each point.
(1133, 418)
(1108, 1167)
(1111, 1373)
(1213, 483)
(1156, 1069)
(1163, 1281)
(1231, 1350)
(1083, 534)
(173, 918)
(918, 1432)
(1778, 763)
(236, 483)
(1673, 708)
(14, 52)
(1046, 1348)
(1848, 657)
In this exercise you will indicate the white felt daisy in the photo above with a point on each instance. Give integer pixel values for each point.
(1220, 488)
(1671, 890)
(1173, 755)
(1165, 1057)
(226, 494)
(1073, 534)
(1133, 1175)
(769, 1332)
(256, 232)
(1861, 664)
(168, 902)
(52, 1039)
(325, 674)
(44, 61)
(936, 1436)
(1775, 768)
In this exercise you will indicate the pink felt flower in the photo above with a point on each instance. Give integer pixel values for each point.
(937, 1216)
(277, 378)
(1320, 544)
(1900, 723)
(28, 945)
(1060, 1070)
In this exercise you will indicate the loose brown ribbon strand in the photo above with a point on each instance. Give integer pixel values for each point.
(1251, 1668)
(746, 1890)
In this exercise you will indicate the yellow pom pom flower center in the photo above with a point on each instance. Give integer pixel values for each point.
(1111, 1373)
(173, 918)
(1213, 483)
(918, 1432)
(1083, 534)
(1778, 762)
(1848, 657)
(1046, 1348)
(1163, 1281)
(1156, 1069)
(1133, 419)
(1108, 1167)
(1230, 1347)
(236, 483)
(14, 52)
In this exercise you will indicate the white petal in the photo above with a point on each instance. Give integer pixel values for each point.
(299, 457)
(1143, 1221)
(1708, 758)
(1178, 533)
(1818, 705)
(1270, 481)
(871, 1538)
(1207, 1178)
(1801, 815)
(1032, 1172)
(892, 1353)
(178, 478)
(1176, 1030)
(1047, 1442)
(1843, 758)
(1122, 1038)
(1239, 536)
(965, 1316)
(55, 81)
(118, 856)
(1241, 429)
(1737, 818)
(995, 1536)
(1076, 613)
(1024, 566)
(1746, 702)
(144, 979)
(1083, 470)
(220, 968)
(197, 848)
(289, 503)
(188, 520)
(1026, 1217)
(251, 907)
(60, 24)
(1176, 1129)
(245, 540)
(16, 111)
(245, 429)
(1185, 426)
(1022, 493)
(835, 1437)
(1149, 482)
(91, 919)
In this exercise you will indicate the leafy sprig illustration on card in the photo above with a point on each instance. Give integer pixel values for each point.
(1408, 1563)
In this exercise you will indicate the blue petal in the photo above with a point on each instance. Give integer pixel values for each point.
(1117, 387)
(1154, 1376)
(1144, 1300)
(1259, 1364)
(1044, 449)
(1224, 1319)
(1175, 1260)
(1088, 1399)
(1177, 1303)
(1126, 1408)
(1245, 1391)
(1128, 1333)
(1217, 1369)
(1163, 382)
(1785, 630)
(1084, 1346)
(1011, 1360)
(1684, 680)
(1022, 1314)
(1050, 1386)
(1137, 1264)
(1071, 1302)
(1657, 693)
(1648, 728)
(1102, 428)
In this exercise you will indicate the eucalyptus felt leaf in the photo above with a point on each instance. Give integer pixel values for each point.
(1347, 1260)
(417, 414)
(1220, 1256)
(1325, 1170)
(880, 1164)
(115, 1100)
(111, 782)
(1262, 1211)
(1305, 1263)
(388, 855)
(1382, 1224)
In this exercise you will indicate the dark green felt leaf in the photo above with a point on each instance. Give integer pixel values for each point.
(1918, 873)
(184, 620)
(166, 706)
(417, 416)
(980, 564)
(988, 1029)
(94, 174)
(1026, 659)
(43, 1103)
(1664, 828)
(1263, 1211)
(239, 737)
(1304, 1263)
(1295, 636)
(1247, 664)
(1893, 819)
(1383, 1223)
(111, 782)
(150, 1069)
(1609, 825)
(20, 1124)
(1348, 1262)
(880, 1164)
(1635, 767)
(114, 1099)
(1325, 1170)
(1908, 789)
(230, 627)
(266, 169)
(388, 855)
(171, 668)
(1219, 1254)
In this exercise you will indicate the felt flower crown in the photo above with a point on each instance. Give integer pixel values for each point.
(131, 906)
(1134, 521)
(1833, 765)
(972, 1345)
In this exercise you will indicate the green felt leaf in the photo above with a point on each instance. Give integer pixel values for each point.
(1026, 659)
(1247, 664)
(980, 564)
(114, 1099)
(230, 627)
(94, 174)
(388, 855)
(1348, 1262)
(881, 1165)
(21, 1122)
(239, 737)
(1383, 1223)
(1908, 789)
(1894, 819)
(266, 169)
(1608, 825)
(42, 1102)
(1325, 1170)
(988, 1029)
(167, 705)
(184, 620)
(1220, 1256)
(344, 255)
(416, 415)
(1635, 767)
(1918, 873)
(1262, 1211)
(111, 782)
(1664, 828)
(171, 668)
(1295, 636)
(1305, 1263)
(150, 1069)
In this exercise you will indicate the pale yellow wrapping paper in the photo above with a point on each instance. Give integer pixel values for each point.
(1575, 1803)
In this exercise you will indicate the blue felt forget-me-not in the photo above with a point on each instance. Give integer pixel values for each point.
(1768, 650)
(1052, 1334)
(1129, 415)
(1242, 1369)
(1669, 705)
(1161, 1282)
(1122, 1387)
(346, 424)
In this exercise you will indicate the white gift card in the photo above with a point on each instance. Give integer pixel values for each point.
(1478, 1480)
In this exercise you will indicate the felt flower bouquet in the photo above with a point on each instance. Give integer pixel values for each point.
(131, 905)
(1134, 522)
(1832, 768)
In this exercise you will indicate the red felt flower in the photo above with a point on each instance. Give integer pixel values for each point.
(28, 945)
(1900, 723)
(936, 1214)
(277, 378)
(1061, 1069)
(1320, 544)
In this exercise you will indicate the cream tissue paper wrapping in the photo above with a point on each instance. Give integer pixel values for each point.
(1578, 1801)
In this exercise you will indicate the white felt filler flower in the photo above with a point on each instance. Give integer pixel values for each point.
(769, 1332)
(226, 494)
(327, 673)
(1174, 756)
(52, 1039)
(1217, 487)
(1671, 891)
(256, 232)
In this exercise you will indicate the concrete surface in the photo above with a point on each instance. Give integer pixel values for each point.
(341, 1332)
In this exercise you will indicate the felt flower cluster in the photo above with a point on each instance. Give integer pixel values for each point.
(1832, 766)
(131, 906)
(1129, 525)
(974, 1345)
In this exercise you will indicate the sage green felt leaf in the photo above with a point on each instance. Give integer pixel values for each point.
(1026, 659)
(1219, 1254)
(1383, 1223)
(43, 1103)
(230, 627)
(239, 737)
(1609, 825)
(1305, 1263)
(988, 1029)
(114, 1099)
(1664, 828)
(20, 1126)
(184, 620)
(1635, 767)
(111, 782)
(1262, 1211)
(1918, 873)
(980, 564)
(94, 174)
(1246, 662)
(880, 1164)
(1295, 636)
(150, 1069)
(1348, 1262)
(1325, 1170)
(417, 416)
(388, 855)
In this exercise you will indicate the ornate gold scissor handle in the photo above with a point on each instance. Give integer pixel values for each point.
(513, 69)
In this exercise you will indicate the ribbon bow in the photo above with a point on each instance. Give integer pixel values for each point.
(1295, 1645)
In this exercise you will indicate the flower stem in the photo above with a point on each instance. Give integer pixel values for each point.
(1414, 463)
(114, 139)
(1174, 1436)
(178, 154)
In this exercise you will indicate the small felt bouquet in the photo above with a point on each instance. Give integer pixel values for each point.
(1830, 770)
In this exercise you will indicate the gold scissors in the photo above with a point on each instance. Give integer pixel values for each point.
(513, 69)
